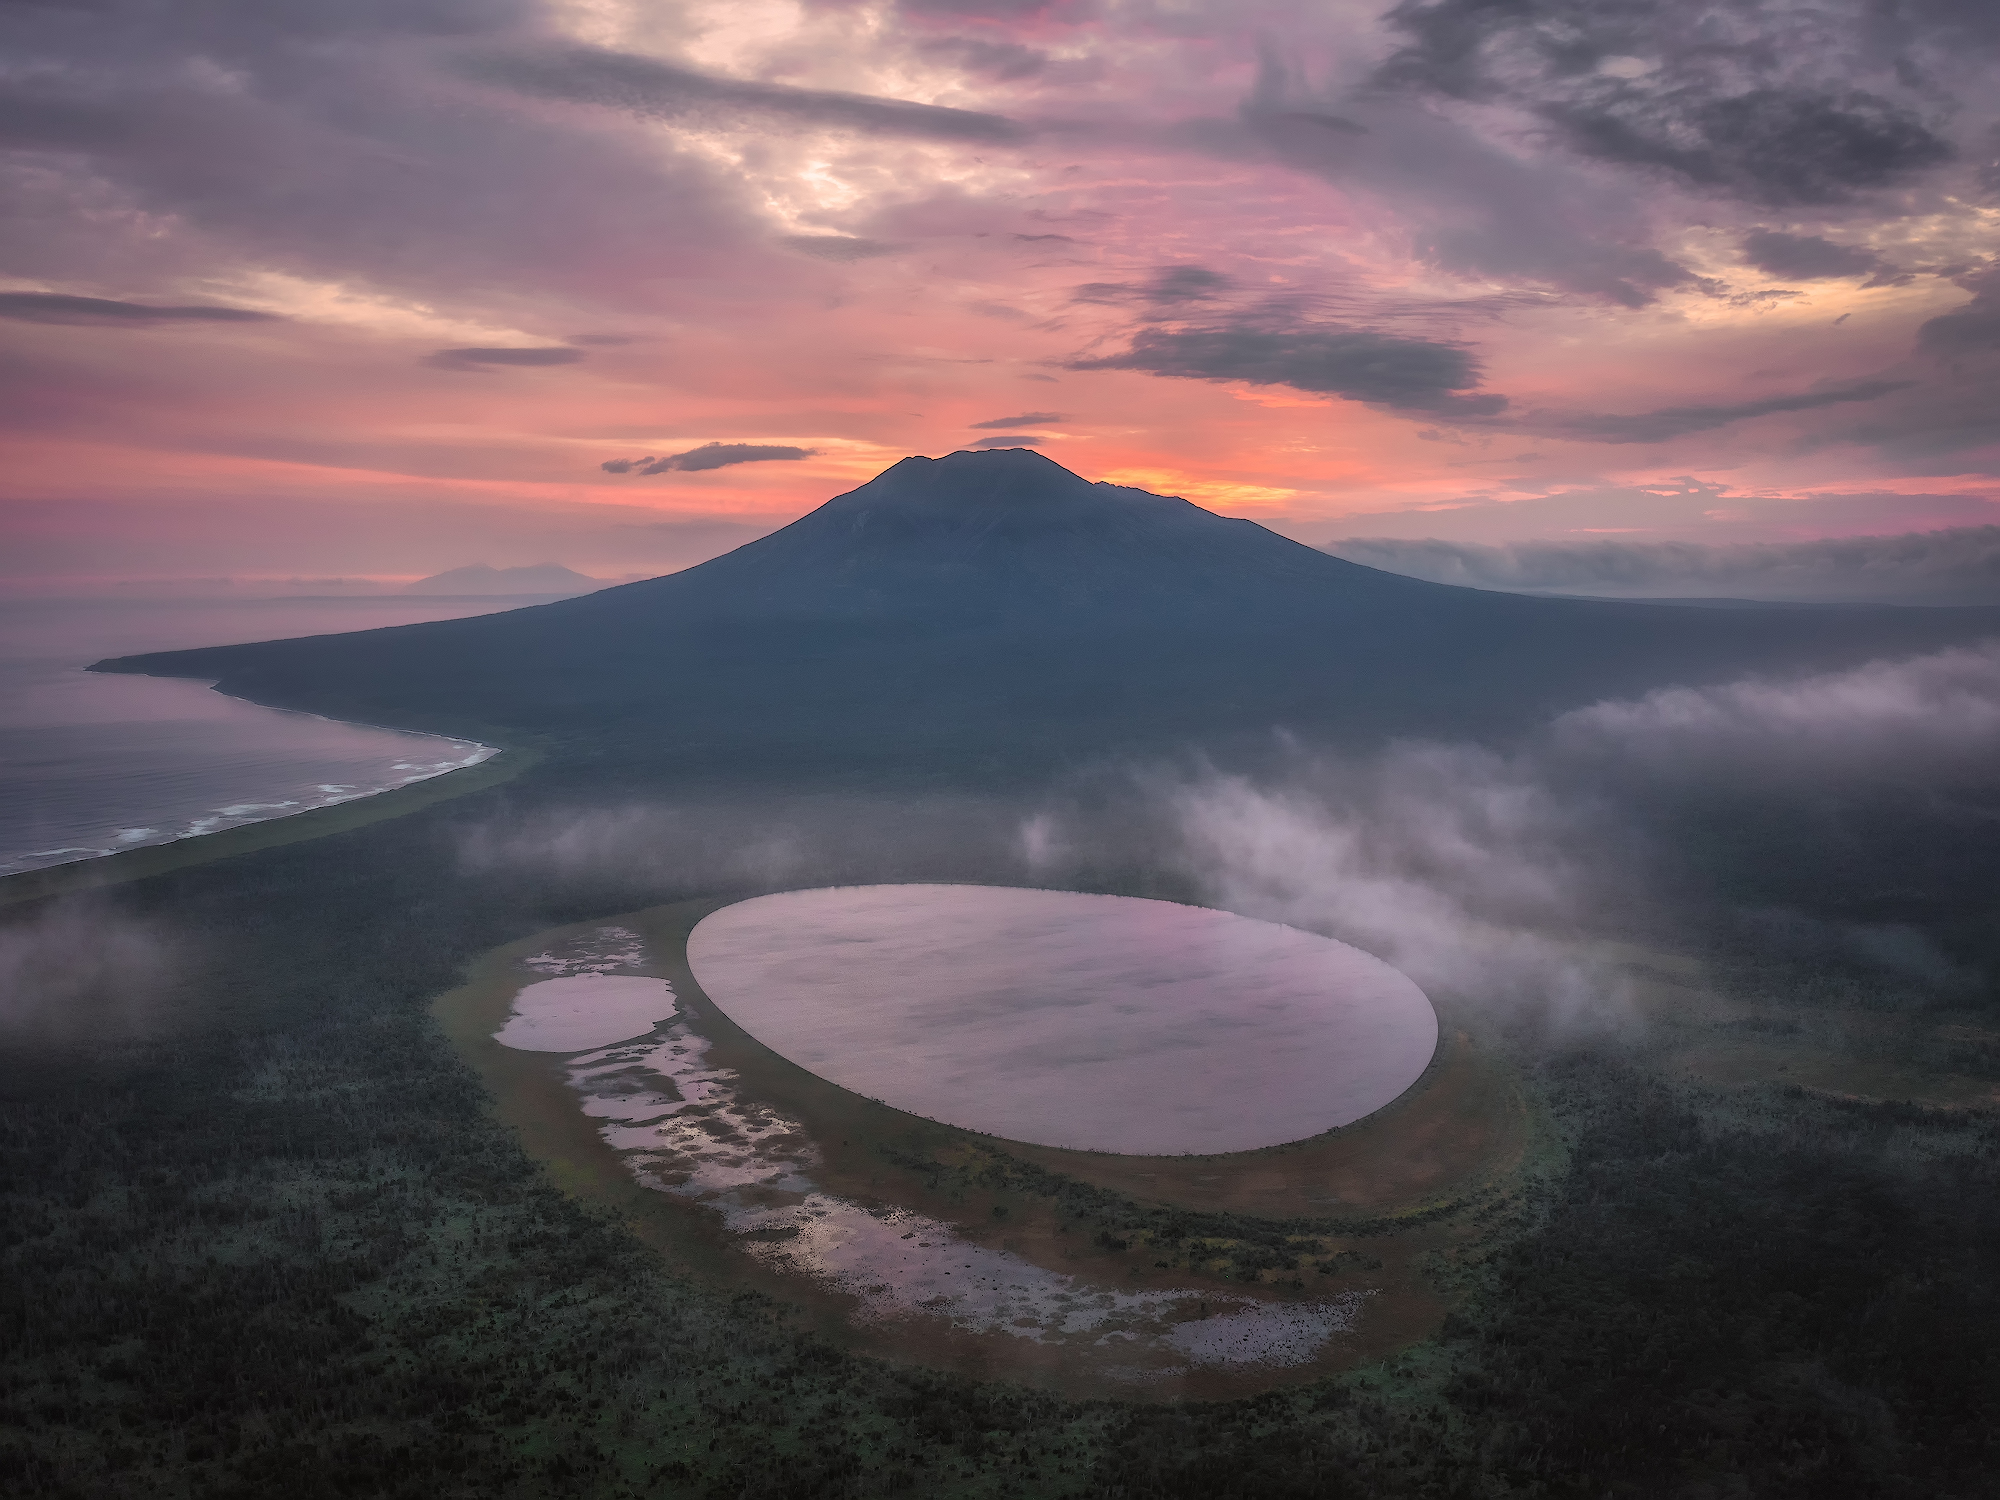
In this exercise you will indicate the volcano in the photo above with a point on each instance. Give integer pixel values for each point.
(996, 606)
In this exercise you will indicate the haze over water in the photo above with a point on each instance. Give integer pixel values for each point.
(92, 762)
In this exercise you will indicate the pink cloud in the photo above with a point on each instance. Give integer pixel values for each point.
(1291, 285)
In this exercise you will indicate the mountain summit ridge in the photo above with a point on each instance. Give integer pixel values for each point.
(992, 607)
(1027, 528)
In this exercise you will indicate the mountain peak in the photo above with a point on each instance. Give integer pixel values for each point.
(481, 578)
(1005, 498)
(973, 478)
(1010, 530)
(949, 602)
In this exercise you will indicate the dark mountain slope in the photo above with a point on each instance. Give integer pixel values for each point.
(993, 603)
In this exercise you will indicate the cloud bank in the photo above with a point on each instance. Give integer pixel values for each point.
(1956, 566)
(1929, 721)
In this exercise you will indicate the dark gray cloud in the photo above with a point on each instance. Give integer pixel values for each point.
(1004, 60)
(1973, 330)
(1956, 566)
(1768, 145)
(1962, 27)
(707, 456)
(1474, 207)
(1950, 422)
(1757, 102)
(1807, 257)
(1108, 292)
(618, 80)
(1987, 162)
(104, 312)
(1678, 421)
(1171, 284)
(170, 143)
(1026, 419)
(839, 247)
(1011, 440)
(1324, 358)
(1166, 287)
(1339, 124)
(40, 122)
(480, 359)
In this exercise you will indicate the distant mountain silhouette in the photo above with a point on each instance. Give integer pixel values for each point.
(479, 579)
(993, 608)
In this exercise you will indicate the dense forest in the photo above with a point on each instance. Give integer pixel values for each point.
(260, 1237)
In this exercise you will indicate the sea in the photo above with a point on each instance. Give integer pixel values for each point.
(92, 763)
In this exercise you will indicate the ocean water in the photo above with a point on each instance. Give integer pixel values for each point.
(92, 763)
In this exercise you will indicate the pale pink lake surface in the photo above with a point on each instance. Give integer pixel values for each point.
(1105, 1023)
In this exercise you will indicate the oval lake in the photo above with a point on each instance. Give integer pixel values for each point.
(1102, 1023)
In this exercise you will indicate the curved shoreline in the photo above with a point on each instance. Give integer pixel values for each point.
(116, 868)
(1360, 1212)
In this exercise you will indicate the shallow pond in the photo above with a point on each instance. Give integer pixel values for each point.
(1097, 1023)
(803, 1192)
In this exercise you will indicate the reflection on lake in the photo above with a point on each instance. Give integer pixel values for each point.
(685, 1127)
(1103, 1023)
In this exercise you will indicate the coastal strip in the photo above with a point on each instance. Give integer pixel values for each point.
(341, 817)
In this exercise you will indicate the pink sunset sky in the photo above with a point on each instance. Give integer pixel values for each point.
(374, 289)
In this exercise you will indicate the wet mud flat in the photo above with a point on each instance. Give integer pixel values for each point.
(1144, 1277)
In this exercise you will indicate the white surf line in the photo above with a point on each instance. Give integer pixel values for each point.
(684, 1128)
(244, 814)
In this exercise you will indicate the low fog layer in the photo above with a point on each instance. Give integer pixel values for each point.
(1932, 720)
(1496, 877)
(79, 971)
(1957, 566)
